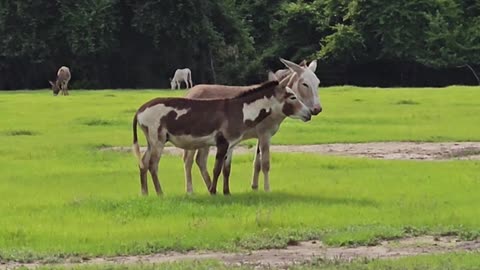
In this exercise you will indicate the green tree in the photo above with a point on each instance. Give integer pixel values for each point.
(201, 34)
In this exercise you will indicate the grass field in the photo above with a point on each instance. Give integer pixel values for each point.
(61, 196)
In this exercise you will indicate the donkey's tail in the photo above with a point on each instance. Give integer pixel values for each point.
(136, 147)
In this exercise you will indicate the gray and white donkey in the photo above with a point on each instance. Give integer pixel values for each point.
(303, 82)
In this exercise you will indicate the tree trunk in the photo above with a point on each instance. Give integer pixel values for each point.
(473, 71)
(214, 76)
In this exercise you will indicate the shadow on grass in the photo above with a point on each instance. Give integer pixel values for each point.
(153, 205)
(274, 198)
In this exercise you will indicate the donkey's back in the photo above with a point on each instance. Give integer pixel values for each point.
(214, 91)
(63, 74)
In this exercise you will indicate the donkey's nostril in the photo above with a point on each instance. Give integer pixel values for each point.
(317, 110)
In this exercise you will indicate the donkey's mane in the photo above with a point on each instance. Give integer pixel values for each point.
(263, 87)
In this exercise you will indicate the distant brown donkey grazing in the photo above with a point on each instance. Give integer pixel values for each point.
(192, 124)
(303, 82)
(61, 84)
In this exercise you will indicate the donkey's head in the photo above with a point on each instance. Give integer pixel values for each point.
(291, 106)
(173, 83)
(55, 87)
(305, 84)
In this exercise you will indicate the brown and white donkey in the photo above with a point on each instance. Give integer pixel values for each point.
(192, 124)
(61, 83)
(303, 82)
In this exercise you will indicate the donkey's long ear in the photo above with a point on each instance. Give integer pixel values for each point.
(292, 66)
(51, 83)
(272, 76)
(313, 65)
(283, 83)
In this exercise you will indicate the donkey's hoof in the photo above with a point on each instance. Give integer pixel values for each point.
(212, 191)
(227, 193)
(255, 188)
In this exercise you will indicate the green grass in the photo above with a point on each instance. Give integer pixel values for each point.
(61, 196)
(350, 114)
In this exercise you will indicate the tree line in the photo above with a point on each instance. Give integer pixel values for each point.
(140, 43)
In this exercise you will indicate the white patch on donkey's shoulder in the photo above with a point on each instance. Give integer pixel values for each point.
(252, 110)
(151, 115)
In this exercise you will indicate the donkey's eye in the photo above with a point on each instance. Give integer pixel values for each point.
(293, 97)
(304, 84)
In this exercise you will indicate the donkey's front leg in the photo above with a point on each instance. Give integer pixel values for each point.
(256, 167)
(222, 148)
(187, 165)
(201, 160)
(265, 150)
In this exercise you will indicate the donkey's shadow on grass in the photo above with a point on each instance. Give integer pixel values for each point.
(153, 205)
(274, 198)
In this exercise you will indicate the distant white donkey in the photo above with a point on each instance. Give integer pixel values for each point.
(182, 75)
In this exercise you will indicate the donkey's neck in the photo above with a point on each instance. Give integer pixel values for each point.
(256, 104)
(257, 110)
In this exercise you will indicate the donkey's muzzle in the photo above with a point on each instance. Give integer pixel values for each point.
(306, 117)
(317, 110)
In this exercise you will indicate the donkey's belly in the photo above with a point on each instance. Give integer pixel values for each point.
(250, 134)
(190, 142)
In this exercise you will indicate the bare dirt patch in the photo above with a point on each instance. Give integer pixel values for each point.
(378, 150)
(302, 252)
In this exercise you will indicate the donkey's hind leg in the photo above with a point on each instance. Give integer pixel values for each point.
(66, 87)
(143, 181)
(143, 172)
(188, 156)
(189, 78)
(156, 154)
(201, 160)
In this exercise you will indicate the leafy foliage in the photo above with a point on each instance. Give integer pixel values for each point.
(126, 43)
(92, 25)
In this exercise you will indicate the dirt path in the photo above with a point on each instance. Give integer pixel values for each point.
(302, 252)
(379, 150)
